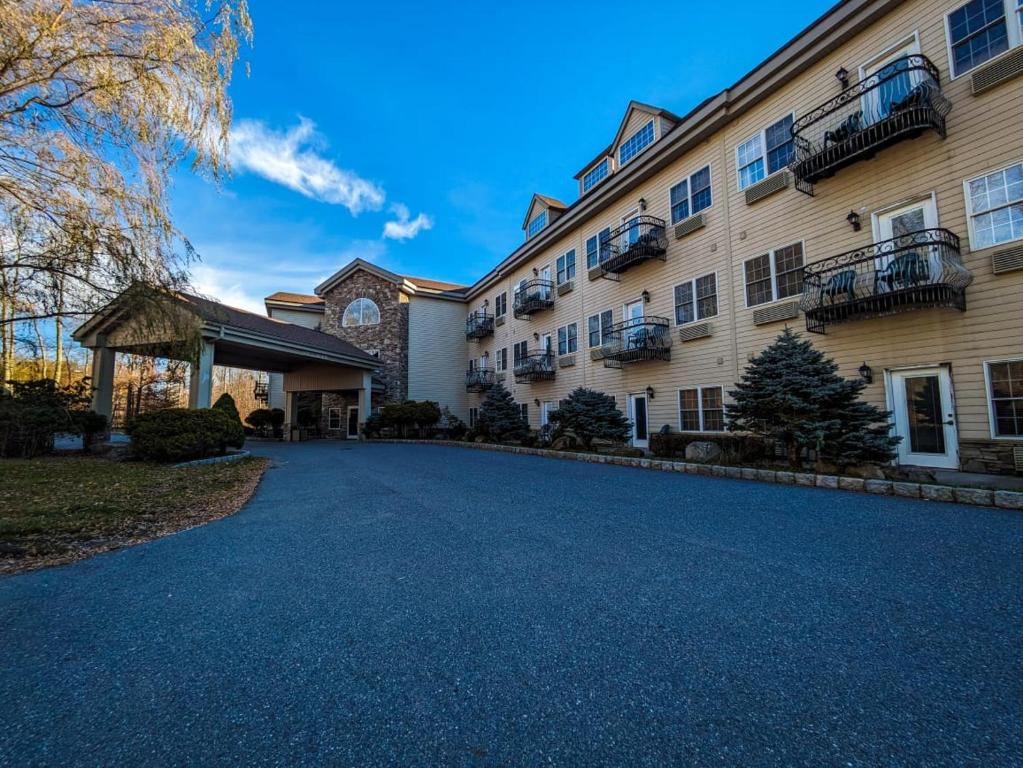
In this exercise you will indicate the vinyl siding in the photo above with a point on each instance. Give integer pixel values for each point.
(437, 356)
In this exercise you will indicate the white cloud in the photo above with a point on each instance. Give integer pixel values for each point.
(291, 159)
(404, 228)
(227, 287)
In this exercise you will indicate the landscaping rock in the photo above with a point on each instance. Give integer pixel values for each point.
(883, 487)
(827, 481)
(748, 473)
(867, 472)
(937, 492)
(703, 451)
(910, 490)
(805, 478)
(735, 472)
(719, 471)
(1009, 499)
(851, 483)
(977, 496)
(912, 475)
(563, 443)
(766, 475)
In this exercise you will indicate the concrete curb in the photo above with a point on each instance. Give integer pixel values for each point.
(974, 496)
(214, 460)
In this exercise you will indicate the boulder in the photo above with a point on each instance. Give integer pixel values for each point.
(866, 472)
(703, 451)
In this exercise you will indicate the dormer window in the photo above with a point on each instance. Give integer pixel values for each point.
(596, 174)
(537, 223)
(635, 144)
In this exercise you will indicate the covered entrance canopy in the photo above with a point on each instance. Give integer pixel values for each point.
(206, 333)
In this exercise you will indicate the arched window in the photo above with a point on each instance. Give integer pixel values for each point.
(360, 312)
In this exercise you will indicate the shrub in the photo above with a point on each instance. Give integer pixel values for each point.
(277, 421)
(260, 419)
(181, 434)
(590, 415)
(455, 426)
(34, 411)
(373, 425)
(500, 416)
(226, 404)
(735, 448)
(409, 418)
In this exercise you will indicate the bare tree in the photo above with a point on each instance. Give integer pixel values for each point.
(99, 100)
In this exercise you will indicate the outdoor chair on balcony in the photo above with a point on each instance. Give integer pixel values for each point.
(918, 96)
(847, 128)
(840, 283)
(648, 338)
(905, 271)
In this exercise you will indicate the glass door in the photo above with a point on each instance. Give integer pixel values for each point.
(638, 416)
(631, 223)
(906, 266)
(925, 417)
(896, 80)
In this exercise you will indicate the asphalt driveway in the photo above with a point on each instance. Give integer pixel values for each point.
(424, 605)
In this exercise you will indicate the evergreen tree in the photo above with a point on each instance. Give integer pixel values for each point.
(792, 393)
(226, 404)
(500, 417)
(591, 415)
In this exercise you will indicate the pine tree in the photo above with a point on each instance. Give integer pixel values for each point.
(226, 404)
(591, 415)
(792, 393)
(500, 417)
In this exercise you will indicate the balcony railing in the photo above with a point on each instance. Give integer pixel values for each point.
(640, 239)
(635, 340)
(479, 325)
(534, 366)
(913, 271)
(899, 101)
(534, 296)
(479, 379)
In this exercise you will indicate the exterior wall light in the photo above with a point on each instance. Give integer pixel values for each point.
(536, 336)
(843, 77)
(867, 373)
(854, 220)
(650, 392)
(642, 203)
(536, 402)
(646, 297)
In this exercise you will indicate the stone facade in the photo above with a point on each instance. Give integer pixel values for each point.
(388, 339)
(994, 456)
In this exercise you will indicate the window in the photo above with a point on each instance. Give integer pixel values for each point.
(597, 173)
(982, 29)
(633, 145)
(361, 312)
(566, 267)
(696, 299)
(690, 196)
(598, 326)
(568, 339)
(520, 352)
(701, 409)
(775, 141)
(501, 359)
(524, 410)
(1005, 398)
(333, 418)
(501, 304)
(592, 249)
(995, 205)
(474, 417)
(775, 275)
(537, 223)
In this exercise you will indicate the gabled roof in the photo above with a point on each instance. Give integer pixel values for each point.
(286, 297)
(547, 202)
(411, 285)
(605, 152)
(634, 106)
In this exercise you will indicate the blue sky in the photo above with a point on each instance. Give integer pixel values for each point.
(413, 134)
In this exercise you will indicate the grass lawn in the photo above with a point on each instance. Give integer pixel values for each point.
(61, 508)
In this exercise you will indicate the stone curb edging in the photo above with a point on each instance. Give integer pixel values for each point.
(981, 497)
(213, 460)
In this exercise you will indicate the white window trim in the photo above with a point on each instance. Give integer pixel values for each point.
(618, 150)
(699, 397)
(331, 410)
(601, 329)
(586, 239)
(529, 224)
(762, 133)
(875, 216)
(992, 431)
(557, 337)
(692, 281)
(910, 43)
(1014, 33)
(774, 276)
(557, 280)
(496, 305)
(582, 181)
(969, 207)
(688, 178)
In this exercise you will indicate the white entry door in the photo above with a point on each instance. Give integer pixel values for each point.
(545, 412)
(895, 81)
(638, 416)
(924, 411)
(631, 232)
(546, 286)
(895, 227)
(634, 311)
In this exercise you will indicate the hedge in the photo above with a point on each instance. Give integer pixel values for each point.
(735, 448)
(182, 434)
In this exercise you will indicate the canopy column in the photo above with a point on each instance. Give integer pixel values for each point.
(365, 398)
(103, 381)
(200, 381)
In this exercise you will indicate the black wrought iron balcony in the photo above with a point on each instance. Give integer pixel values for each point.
(534, 366)
(479, 379)
(913, 271)
(479, 325)
(533, 296)
(898, 102)
(641, 239)
(635, 340)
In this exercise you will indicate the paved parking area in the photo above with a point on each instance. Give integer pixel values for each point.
(427, 605)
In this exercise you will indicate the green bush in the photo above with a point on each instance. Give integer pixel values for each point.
(407, 419)
(182, 434)
(261, 420)
(500, 417)
(589, 415)
(34, 411)
(226, 404)
(277, 421)
(735, 448)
